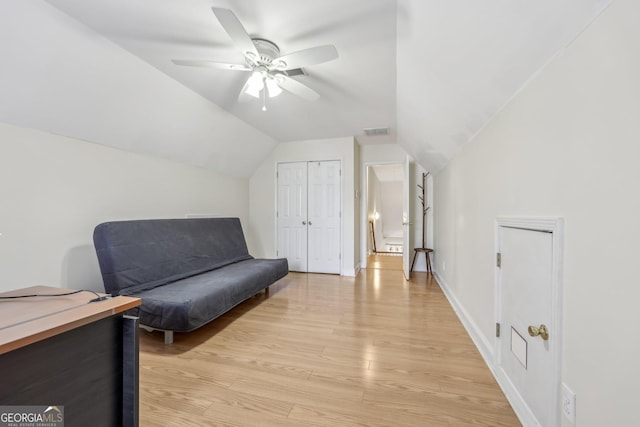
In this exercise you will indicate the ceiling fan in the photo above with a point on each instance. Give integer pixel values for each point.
(270, 72)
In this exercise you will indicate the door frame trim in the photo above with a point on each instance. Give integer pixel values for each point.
(555, 226)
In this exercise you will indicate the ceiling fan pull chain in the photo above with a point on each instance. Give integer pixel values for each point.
(264, 94)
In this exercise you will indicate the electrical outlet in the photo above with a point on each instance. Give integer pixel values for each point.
(444, 266)
(568, 403)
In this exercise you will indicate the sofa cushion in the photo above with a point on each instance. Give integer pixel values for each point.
(189, 303)
(144, 254)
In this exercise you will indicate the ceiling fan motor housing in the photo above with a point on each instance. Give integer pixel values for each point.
(268, 52)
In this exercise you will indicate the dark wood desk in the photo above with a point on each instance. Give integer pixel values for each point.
(67, 351)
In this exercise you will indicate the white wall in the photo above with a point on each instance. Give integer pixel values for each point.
(54, 190)
(262, 194)
(567, 145)
(391, 209)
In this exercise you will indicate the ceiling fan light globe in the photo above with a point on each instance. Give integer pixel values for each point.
(255, 84)
(253, 92)
(273, 88)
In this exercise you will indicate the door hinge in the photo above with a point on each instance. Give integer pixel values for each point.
(497, 330)
(498, 260)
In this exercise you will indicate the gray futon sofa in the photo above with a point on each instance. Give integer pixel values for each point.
(186, 271)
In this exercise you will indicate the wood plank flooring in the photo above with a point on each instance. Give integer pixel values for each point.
(385, 261)
(324, 350)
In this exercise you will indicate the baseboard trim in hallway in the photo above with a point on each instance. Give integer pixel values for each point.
(486, 351)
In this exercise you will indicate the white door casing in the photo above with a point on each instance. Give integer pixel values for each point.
(292, 214)
(309, 215)
(528, 294)
(406, 220)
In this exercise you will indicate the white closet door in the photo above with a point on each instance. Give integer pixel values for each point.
(324, 217)
(292, 214)
(526, 301)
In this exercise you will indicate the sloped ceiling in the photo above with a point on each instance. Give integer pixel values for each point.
(389, 173)
(459, 62)
(435, 72)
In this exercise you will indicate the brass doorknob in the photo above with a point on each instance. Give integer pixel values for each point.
(541, 331)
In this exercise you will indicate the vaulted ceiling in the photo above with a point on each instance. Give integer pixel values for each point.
(434, 72)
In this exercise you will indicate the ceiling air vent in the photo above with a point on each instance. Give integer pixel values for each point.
(376, 131)
(296, 72)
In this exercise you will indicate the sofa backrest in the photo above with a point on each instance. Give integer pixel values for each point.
(143, 254)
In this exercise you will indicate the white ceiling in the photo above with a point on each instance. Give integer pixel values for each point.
(433, 71)
(389, 173)
(357, 89)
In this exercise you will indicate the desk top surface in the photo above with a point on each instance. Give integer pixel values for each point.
(30, 319)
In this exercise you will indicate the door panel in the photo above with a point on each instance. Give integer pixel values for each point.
(292, 214)
(526, 277)
(324, 217)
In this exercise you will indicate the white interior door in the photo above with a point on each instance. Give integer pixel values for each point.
(308, 216)
(406, 220)
(324, 217)
(292, 214)
(525, 299)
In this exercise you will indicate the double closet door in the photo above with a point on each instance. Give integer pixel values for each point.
(308, 215)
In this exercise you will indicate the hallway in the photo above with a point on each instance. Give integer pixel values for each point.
(383, 261)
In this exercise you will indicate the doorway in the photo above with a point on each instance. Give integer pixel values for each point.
(384, 188)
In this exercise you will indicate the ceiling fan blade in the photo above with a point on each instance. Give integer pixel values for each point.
(311, 56)
(210, 64)
(297, 88)
(236, 31)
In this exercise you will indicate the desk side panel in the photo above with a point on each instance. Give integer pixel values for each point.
(81, 369)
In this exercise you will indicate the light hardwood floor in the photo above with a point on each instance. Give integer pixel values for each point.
(385, 261)
(324, 350)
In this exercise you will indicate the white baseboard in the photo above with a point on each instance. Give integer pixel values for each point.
(484, 347)
(486, 351)
(351, 272)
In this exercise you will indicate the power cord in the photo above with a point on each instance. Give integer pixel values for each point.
(98, 296)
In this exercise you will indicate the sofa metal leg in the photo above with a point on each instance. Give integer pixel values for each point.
(168, 337)
(266, 291)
